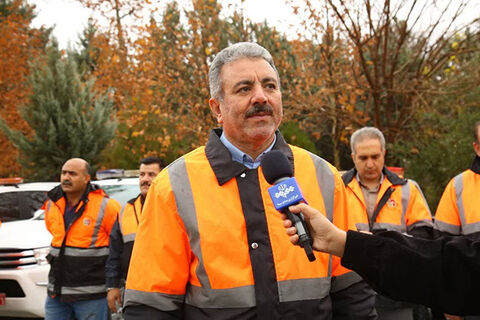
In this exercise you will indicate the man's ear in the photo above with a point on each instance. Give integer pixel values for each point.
(215, 107)
(476, 147)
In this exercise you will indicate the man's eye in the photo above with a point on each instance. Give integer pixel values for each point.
(271, 86)
(244, 89)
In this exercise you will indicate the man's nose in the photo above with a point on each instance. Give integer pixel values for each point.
(369, 163)
(259, 95)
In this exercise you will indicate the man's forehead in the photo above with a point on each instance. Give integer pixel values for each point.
(73, 165)
(149, 167)
(368, 146)
(246, 68)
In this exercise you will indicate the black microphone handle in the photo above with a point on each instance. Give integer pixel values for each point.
(305, 240)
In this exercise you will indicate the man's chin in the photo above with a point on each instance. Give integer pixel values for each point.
(261, 131)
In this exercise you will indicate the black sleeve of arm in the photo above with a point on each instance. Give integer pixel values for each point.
(443, 274)
(439, 234)
(113, 264)
(354, 302)
(423, 232)
(142, 312)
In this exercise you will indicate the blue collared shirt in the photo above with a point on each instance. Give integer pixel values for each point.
(240, 156)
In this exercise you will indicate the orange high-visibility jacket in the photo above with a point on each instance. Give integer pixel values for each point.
(129, 219)
(211, 245)
(77, 255)
(458, 212)
(404, 209)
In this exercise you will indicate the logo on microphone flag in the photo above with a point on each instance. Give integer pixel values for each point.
(285, 194)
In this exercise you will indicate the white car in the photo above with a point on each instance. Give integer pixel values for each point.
(25, 241)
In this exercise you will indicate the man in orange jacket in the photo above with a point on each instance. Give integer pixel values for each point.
(123, 234)
(79, 216)
(380, 200)
(211, 245)
(458, 212)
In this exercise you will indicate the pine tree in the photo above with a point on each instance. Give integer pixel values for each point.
(67, 117)
(87, 55)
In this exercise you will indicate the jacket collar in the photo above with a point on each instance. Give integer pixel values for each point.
(392, 177)
(221, 161)
(137, 198)
(476, 165)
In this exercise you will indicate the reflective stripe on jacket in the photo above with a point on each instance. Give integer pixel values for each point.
(78, 254)
(211, 243)
(129, 220)
(458, 211)
(404, 210)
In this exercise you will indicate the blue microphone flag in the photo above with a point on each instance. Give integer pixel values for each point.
(285, 193)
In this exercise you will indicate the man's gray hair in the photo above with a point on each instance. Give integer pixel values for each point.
(232, 53)
(367, 133)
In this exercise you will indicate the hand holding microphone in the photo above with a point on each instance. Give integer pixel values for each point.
(325, 235)
(285, 192)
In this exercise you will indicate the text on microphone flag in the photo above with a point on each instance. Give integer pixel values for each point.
(285, 194)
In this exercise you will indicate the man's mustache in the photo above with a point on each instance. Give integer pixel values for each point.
(145, 184)
(66, 183)
(259, 109)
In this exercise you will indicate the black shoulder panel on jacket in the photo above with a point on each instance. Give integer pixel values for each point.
(476, 165)
(348, 176)
(393, 178)
(55, 194)
(132, 201)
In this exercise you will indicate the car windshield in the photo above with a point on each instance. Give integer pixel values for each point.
(20, 205)
(122, 193)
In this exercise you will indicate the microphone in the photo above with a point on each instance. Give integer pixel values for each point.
(285, 192)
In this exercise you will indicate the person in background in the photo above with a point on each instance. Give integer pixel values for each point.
(123, 234)
(378, 199)
(80, 216)
(458, 212)
(210, 244)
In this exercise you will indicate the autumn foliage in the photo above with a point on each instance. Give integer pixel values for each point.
(18, 45)
(348, 64)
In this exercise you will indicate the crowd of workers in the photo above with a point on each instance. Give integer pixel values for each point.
(203, 240)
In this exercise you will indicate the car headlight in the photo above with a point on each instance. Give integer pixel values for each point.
(40, 255)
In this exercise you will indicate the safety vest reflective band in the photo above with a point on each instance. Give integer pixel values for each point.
(80, 252)
(100, 289)
(240, 297)
(458, 211)
(129, 219)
